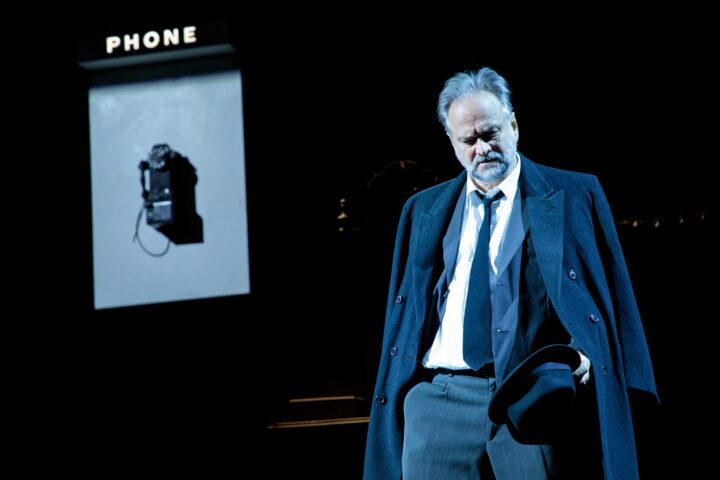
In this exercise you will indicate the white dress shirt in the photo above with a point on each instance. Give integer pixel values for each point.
(447, 348)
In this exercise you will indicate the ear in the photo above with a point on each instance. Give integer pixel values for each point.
(450, 137)
(452, 143)
(514, 126)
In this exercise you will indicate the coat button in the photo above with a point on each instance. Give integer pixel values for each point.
(393, 351)
(572, 274)
(380, 399)
(399, 299)
(445, 294)
(604, 370)
(594, 318)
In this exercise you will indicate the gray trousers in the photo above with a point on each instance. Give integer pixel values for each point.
(448, 435)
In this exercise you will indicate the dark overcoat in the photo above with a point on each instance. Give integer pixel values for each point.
(588, 285)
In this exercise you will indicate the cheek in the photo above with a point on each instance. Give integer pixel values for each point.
(462, 151)
(507, 144)
(512, 140)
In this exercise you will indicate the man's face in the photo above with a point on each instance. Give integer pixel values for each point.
(484, 139)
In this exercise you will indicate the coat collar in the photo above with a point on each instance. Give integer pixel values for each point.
(543, 214)
(435, 218)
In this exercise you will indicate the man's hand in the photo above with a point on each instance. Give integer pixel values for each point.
(583, 371)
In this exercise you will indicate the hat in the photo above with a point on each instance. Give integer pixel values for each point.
(536, 397)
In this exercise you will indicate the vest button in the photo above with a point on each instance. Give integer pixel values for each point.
(394, 351)
(594, 318)
(380, 399)
(399, 299)
(572, 274)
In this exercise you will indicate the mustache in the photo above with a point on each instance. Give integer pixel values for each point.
(492, 156)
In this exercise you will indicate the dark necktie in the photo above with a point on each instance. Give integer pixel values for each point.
(477, 339)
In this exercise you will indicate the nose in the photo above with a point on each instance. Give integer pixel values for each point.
(482, 148)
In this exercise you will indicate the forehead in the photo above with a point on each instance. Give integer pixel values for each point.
(475, 110)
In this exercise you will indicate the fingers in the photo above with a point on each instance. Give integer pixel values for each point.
(583, 371)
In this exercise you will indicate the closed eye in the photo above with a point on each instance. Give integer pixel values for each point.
(486, 136)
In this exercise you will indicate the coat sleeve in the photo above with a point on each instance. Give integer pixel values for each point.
(384, 439)
(633, 345)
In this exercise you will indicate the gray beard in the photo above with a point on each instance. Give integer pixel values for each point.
(497, 171)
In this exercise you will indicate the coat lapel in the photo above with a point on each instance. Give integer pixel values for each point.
(544, 212)
(451, 240)
(432, 224)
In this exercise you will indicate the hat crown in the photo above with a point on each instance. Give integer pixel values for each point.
(536, 398)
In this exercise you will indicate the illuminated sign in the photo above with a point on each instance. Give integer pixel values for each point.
(154, 44)
(151, 39)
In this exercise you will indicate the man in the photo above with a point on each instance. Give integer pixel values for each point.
(549, 273)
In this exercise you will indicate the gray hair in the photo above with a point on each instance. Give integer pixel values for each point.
(469, 83)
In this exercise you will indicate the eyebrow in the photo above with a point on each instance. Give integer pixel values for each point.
(487, 128)
(492, 125)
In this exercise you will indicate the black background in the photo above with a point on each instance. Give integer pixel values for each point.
(331, 99)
